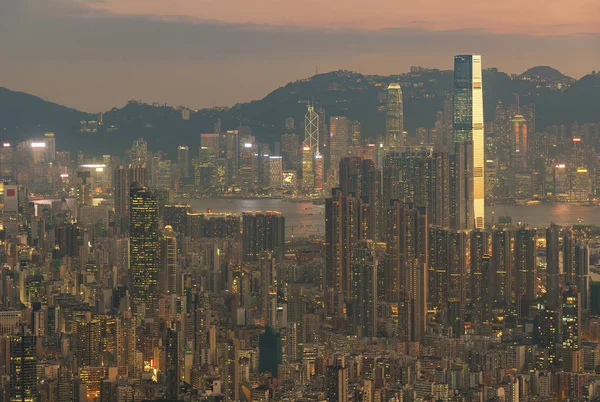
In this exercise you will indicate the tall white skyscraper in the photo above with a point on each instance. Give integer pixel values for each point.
(468, 138)
(394, 117)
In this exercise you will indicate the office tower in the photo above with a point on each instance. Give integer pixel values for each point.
(394, 117)
(308, 171)
(363, 301)
(232, 154)
(269, 351)
(23, 360)
(339, 141)
(183, 161)
(275, 172)
(319, 171)
(88, 341)
(552, 284)
(502, 259)
(210, 142)
(582, 269)
(263, 232)
(525, 265)
(172, 364)
(519, 143)
(163, 175)
(169, 261)
(50, 147)
(144, 246)
(336, 384)
(311, 129)
(139, 152)
(6, 162)
(123, 177)
(478, 248)
(290, 149)
(469, 143)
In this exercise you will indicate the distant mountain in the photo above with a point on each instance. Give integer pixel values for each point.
(544, 72)
(558, 99)
(25, 116)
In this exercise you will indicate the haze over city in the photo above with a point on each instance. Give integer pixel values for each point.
(392, 201)
(93, 55)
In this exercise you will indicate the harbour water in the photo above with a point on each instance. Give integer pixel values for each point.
(305, 219)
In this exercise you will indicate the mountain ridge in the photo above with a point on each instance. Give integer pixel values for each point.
(558, 99)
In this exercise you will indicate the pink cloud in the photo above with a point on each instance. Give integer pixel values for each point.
(538, 17)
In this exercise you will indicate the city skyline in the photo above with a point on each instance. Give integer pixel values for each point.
(118, 53)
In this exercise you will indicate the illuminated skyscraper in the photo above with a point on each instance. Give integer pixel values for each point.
(144, 246)
(311, 129)
(468, 135)
(394, 117)
(139, 152)
(23, 360)
(169, 260)
(339, 141)
(308, 170)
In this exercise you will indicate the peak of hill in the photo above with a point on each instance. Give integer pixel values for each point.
(546, 73)
(558, 100)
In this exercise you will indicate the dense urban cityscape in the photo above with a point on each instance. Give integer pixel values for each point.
(139, 275)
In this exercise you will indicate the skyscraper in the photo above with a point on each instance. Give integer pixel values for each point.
(394, 117)
(172, 363)
(525, 261)
(469, 143)
(169, 261)
(144, 246)
(23, 360)
(364, 296)
(552, 285)
(263, 232)
(339, 141)
(183, 161)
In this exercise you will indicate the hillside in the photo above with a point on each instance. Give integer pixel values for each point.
(558, 100)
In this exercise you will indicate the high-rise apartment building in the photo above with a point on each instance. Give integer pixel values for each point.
(469, 144)
(263, 232)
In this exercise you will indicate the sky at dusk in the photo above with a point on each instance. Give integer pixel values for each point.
(97, 54)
